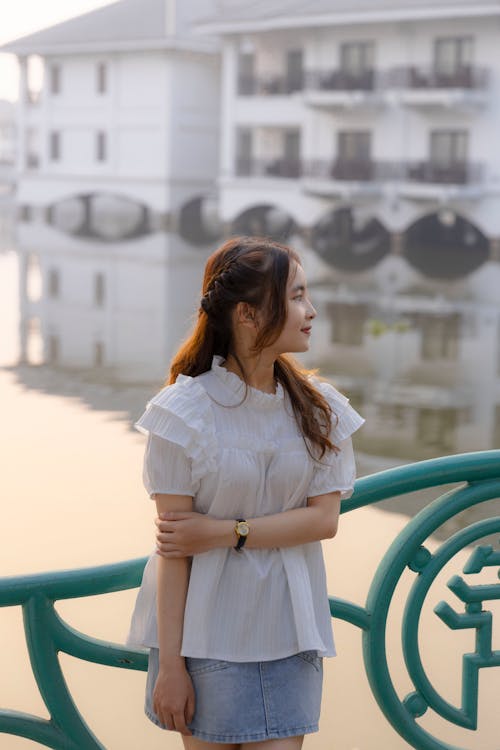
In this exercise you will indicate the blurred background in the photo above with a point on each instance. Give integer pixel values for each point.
(134, 137)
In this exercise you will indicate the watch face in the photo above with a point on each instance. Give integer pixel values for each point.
(243, 528)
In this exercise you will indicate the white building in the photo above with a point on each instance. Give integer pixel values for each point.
(367, 133)
(7, 133)
(113, 153)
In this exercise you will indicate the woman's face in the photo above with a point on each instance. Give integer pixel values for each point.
(296, 332)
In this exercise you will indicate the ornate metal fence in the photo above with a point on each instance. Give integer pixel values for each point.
(47, 634)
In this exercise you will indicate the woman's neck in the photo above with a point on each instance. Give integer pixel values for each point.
(258, 370)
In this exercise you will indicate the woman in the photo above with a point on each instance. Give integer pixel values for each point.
(254, 455)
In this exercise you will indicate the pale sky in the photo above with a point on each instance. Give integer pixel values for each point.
(23, 17)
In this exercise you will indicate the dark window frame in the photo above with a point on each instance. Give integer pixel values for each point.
(101, 146)
(99, 289)
(462, 58)
(102, 77)
(55, 78)
(55, 145)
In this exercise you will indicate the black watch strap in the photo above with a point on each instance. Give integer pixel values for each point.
(241, 539)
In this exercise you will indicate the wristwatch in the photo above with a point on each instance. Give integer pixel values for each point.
(242, 529)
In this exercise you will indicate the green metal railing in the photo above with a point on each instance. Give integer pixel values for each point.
(47, 633)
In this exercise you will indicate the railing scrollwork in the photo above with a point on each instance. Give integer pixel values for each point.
(47, 633)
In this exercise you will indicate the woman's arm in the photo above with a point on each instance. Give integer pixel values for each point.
(182, 534)
(173, 694)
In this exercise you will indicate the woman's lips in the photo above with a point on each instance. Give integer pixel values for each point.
(306, 330)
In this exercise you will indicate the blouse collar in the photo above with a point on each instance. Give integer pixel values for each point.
(255, 397)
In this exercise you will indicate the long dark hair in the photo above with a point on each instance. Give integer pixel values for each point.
(253, 270)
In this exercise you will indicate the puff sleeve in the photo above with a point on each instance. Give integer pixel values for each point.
(337, 472)
(181, 444)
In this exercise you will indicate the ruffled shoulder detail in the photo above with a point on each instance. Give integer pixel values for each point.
(348, 418)
(182, 413)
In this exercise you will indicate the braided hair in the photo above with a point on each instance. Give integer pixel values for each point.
(254, 270)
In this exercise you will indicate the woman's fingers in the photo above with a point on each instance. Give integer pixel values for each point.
(180, 723)
(190, 705)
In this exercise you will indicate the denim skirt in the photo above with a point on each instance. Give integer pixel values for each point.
(249, 701)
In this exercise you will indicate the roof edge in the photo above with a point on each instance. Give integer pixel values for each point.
(187, 44)
(344, 19)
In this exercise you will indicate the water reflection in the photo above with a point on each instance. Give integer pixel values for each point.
(419, 357)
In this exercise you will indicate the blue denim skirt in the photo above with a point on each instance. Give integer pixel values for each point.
(249, 701)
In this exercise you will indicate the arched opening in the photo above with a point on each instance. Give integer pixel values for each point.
(33, 279)
(199, 222)
(445, 245)
(34, 341)
(349, 241)
(102, 216)
(265, 221)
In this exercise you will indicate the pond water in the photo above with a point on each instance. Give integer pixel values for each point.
(73, 497)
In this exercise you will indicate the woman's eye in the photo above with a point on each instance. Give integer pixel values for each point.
(298, 296)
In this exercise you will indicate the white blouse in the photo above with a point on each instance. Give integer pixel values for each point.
(243, 460)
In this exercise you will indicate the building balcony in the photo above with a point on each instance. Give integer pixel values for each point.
(269, 85)
(268, 167)
(344, 177)
(347, 177)
(340, 80)
(430, 179)
(457, 173)
(428, 88)
(338, 89)
(412, 77)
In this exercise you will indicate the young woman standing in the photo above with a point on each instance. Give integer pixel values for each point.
(252, 454)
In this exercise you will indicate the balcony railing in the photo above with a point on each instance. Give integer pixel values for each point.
(413, 77)
(454, 173)
(406, 77)
(478, 478)
(364, 170)
(270, 167)
(271, 85)
(340, 80)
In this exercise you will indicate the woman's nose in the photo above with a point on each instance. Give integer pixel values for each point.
(312, 312)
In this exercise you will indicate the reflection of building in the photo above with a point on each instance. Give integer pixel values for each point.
(7, 133)
(122, 137)
(366, 132)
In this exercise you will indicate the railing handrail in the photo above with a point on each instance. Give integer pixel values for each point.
(47, 633)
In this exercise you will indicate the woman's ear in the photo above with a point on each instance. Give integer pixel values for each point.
(246, 315)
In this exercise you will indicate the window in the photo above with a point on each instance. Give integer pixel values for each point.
(53, 283)
(53, 349)
(102, 78)
(55, 145)
(294, 71)
(55, 78)
(353, 156)
(246, 73)
(436, 428)
(347, 323)
(357, 58)
(98, 354)
(452, 55)
(32, 148)
(99, 289)
(25, 212)
(244, 149)
(449, 147)
(440, 336)
(354, 146)
(101, 146)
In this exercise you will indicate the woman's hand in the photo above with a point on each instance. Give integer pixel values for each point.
(174, 697)
(185, 533)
